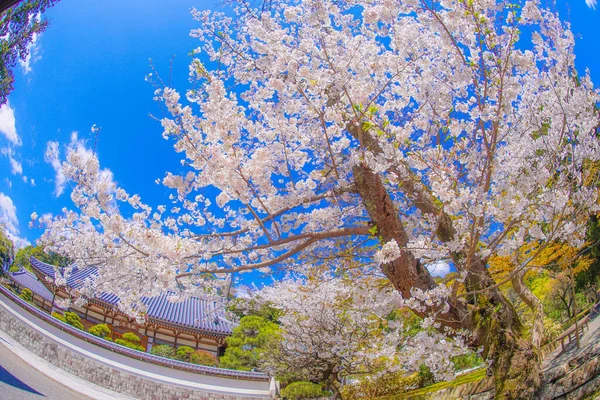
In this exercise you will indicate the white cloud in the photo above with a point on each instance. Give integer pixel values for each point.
(439, 268)
(8, 214)
(591, 4)
(51, 157)
(10, 222)
(15, 166)
(7, 124)
(32, 181)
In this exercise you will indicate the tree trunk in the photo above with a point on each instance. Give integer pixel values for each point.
(496, 326)
(515, 362)
(537, 331)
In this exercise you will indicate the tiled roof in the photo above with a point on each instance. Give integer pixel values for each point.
(193, 313)
(29, 280)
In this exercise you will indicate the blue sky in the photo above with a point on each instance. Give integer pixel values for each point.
(89, 67)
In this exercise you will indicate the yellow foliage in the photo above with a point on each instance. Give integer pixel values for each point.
(556, 256)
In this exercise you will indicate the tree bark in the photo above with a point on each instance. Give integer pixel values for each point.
(494, 322)
(537, 333)
(515, 362)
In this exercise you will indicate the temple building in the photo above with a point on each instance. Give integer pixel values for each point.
(194, 322)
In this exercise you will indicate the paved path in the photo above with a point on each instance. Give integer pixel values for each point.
(589, 339)
(20, 381)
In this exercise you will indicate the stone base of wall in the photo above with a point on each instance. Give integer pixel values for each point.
(97, 372)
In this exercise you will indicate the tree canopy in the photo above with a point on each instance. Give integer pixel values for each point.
(397, 134)
(19, 27)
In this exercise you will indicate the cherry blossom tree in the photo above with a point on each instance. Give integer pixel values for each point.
(393, 133)
(335, 327)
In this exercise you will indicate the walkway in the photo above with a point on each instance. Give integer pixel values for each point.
(21, 381)
(589, 339)
(100, 365)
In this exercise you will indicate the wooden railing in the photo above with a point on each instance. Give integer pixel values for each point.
(577, 328)
(150, 358)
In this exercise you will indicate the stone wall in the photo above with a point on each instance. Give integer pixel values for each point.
(105, 375)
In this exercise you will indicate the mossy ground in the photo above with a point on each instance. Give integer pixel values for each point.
(426, 392)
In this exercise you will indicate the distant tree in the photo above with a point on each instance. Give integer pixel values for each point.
(19, 27)
(21, 259)
(590, 278)
(250, 339)
(7, 251)
(333, 328)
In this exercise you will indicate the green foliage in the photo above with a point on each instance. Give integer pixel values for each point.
(426, 377)
(129, 344)
(250, 339)
(23, 255)
(102, 331)
(466, 361)
(303, 390)
(131, 337)
(18, 27)
(163, 350)
(59, 316)
(7, 251)
(591, 276)
(73, 319)
(552, 330)
(384, 385)
(187, 354)
(26, 295)
(130, 340)
(242, 308)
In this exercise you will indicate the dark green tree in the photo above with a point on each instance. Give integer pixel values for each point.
(23, 255)
(18, 26)
(590, 277)
(250, 340)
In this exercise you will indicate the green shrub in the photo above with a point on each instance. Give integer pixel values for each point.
(59, 316)
(102, 331)
(131, 340)
(303, 390)
(126, 343)
(73, 319)
(206, 358)
(187, 354)
(385, 385)
(132, 337)
(163, 350)
(26, 295)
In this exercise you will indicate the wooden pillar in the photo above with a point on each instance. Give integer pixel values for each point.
(176, 337)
